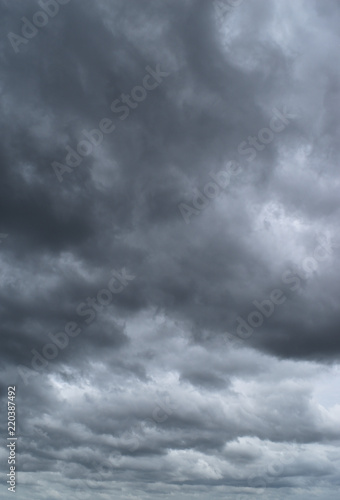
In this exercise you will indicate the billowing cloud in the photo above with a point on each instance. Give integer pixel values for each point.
(169, 249)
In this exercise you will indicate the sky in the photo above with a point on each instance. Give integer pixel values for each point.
(169, 248)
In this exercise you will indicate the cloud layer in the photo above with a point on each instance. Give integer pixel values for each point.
(169, 195)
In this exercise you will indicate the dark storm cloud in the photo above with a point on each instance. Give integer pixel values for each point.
(151, 388)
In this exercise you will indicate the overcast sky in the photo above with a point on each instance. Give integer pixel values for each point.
(169, 248)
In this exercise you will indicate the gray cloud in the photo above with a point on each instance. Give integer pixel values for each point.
(158, 395)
